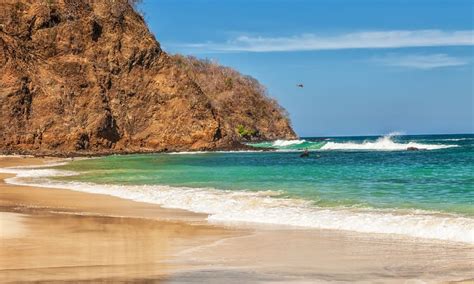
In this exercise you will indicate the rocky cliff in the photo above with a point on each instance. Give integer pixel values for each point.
(88, 77)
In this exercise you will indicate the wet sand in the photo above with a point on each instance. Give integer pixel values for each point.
(308, 256)
(49, 235)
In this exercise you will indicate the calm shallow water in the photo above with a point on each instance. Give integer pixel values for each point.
(367, 184)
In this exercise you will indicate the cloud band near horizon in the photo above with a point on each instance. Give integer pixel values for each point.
(355, 40)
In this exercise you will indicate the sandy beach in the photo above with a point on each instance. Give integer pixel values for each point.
(49, 235)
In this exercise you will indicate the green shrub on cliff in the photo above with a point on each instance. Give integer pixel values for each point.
(245, 132)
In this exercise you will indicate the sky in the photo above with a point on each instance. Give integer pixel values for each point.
(368, 66)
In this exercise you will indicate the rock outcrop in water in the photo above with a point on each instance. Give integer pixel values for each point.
(88, 77)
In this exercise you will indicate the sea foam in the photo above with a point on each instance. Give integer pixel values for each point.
(384, 143)
(262, 207)
(285, 143)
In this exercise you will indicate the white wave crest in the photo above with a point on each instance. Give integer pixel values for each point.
(30, 172)
(263, 207)
(395, 133)
(285, 143)
(382, 144)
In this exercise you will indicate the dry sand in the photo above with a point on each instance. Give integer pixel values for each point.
(49, 235)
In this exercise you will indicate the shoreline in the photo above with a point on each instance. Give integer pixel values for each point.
(194, 247)
(240, 146)
(44, 230)
(219, 207)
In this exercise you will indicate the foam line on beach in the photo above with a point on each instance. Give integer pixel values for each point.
(263, 207)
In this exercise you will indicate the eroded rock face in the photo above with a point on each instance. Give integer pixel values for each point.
(88, 77)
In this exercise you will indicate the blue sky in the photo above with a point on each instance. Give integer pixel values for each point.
(368, 66)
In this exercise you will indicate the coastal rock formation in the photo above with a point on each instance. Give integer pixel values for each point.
(88, 77)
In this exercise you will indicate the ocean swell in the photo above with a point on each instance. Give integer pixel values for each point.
(267, 207)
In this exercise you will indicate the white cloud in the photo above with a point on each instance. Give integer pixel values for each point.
(355, 40)
(423, 61)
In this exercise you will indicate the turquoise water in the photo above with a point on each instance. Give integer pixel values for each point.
(365, 184)
(440, 179)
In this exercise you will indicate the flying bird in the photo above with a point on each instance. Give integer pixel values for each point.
(300, 86)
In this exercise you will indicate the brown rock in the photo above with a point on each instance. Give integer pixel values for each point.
(87, 77)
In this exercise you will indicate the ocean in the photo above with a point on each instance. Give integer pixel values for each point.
(369, 184)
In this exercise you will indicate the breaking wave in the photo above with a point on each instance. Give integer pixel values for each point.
(284, 143)
(384, 143)
(289, 144)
